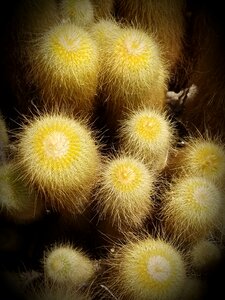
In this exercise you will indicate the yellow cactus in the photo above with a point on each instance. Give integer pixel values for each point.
(149, 135)
(192, 208)
(59, 155)
(134, 72)
(165, 19)
(104, 31)
(203, 157)
(147, 269)
(62, 62)
(125, 187)
(65, 265)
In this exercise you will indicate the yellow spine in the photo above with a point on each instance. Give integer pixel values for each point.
(134, 73)
(68, 266)
(191, 208)
(124, 191)
(149, 135)
(62, 62)
(147, 269)
(59, 155)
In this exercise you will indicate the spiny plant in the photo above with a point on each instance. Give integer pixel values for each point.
(104, 31)
(59, 155)
(66, 265)
(149, 135)
(61, 62)
(201, 157)
(123, 196)
(147, 269)
(134, 73)
(165, 19)
(191, 208)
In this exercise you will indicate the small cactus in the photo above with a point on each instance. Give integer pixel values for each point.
(147, 269)
(125, 188)
(61, 63)
(59, 156)
(66, 265)
(136, 72)
(149, 135)
(191, 207)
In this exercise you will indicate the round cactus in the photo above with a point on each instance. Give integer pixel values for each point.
(147, 134)
(61, 63)
(165, 19)
(124, 191)
(135, 71)
(148, 269)
(191, 208)
(202, 157)
(65, 265)
(59, 156)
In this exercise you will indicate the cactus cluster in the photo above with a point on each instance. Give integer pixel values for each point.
(109, 189)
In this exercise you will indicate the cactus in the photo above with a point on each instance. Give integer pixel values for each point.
(61, 63)
(165, 19)
(149, 135)
(191, 208)
(65, 265)
(104, 31)
(59, 156)
(124, 191)
(147, 269)
(136, 73)
(202, 157)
